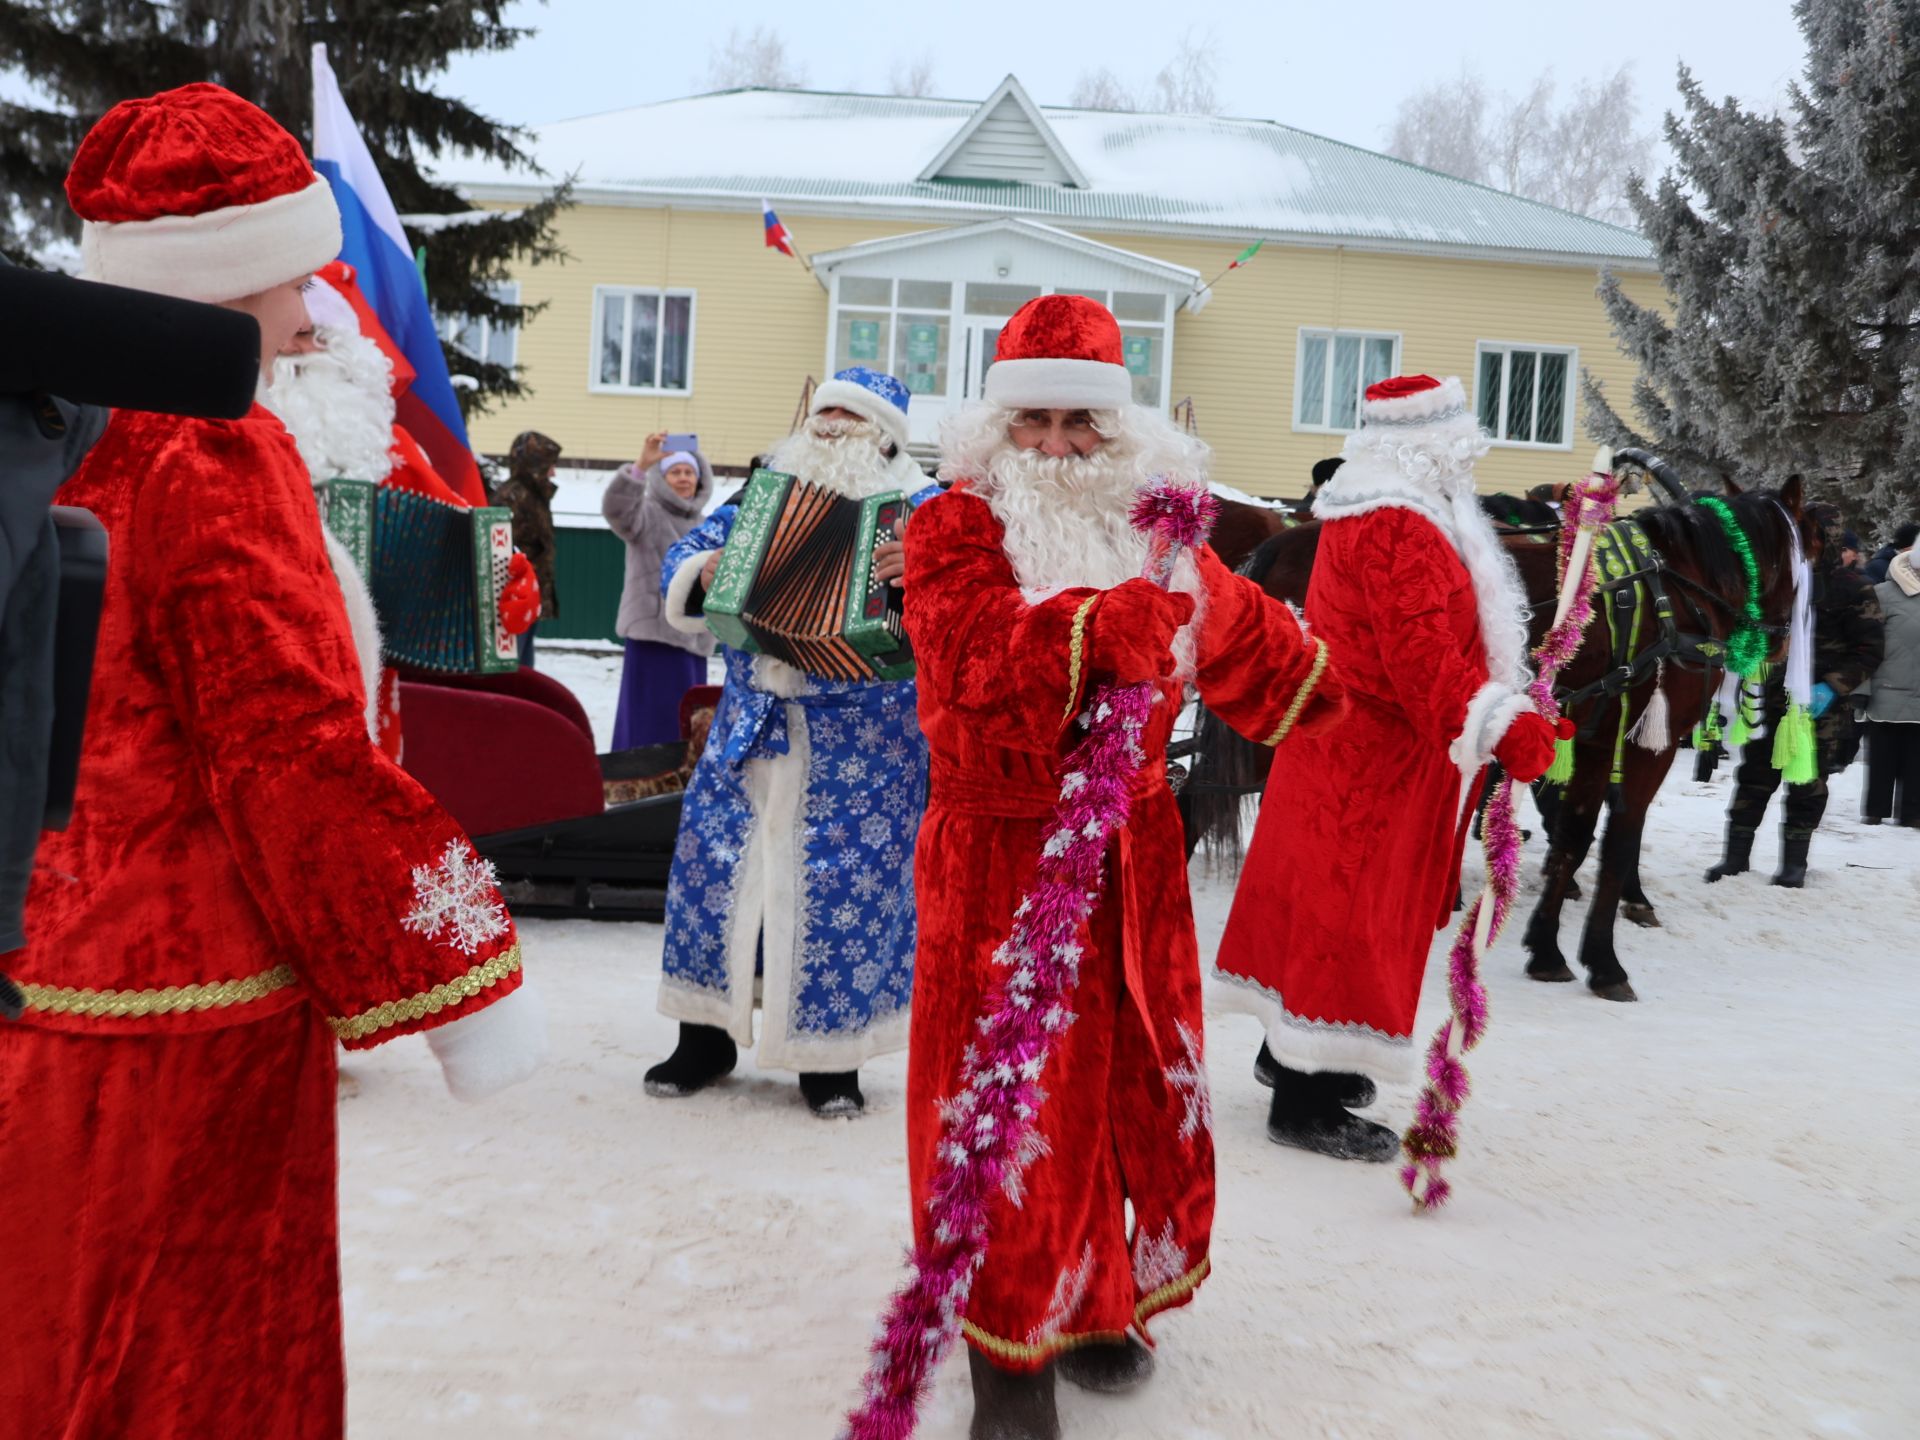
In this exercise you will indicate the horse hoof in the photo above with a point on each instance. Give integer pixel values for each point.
(1619, 990)
(1574, 892)
(1641, 915)
(1553, 974)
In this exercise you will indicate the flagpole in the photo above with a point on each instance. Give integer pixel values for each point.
(1233, 265)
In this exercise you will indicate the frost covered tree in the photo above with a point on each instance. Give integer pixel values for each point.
(755, 58)
(912, 77)
(1185, 85)
(1789, 246)
(75, 59)
(1575, 154)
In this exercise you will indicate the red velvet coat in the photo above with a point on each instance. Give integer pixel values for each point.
(1356, 856)
(1129, 1116)
(238, 847)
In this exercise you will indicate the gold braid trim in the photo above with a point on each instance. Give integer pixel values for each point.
(116, 1004)
(1076, 654)
(1302, 695)
(1173, 1290)
(428, 1002)
(1149, 1306)
(1045, 1350)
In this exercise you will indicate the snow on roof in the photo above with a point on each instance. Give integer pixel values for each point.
(1193, 174)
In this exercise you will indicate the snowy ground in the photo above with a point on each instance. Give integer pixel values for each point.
(1691, 1217)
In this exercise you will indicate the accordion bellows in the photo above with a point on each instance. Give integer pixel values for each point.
(796, 581)
(435, 571)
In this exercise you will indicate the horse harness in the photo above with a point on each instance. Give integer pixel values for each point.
(1633, 593)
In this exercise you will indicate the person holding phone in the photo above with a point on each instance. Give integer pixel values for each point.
(650, 504)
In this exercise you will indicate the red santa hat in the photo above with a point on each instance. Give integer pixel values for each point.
(1060, 352)
(197, 193)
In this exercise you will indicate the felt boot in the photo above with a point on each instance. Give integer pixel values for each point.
(1354, 1091)
(1010, 1405)
(833, 1095)
(705, 1053)
(1794, 845)
(1305, 1115)
(1108, 1367)
(1739, 854)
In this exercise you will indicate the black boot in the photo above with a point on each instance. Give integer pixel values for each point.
(1356, 1092)
(1794, 845)
(1306, 1115)
(1008, 1405)
(1739, 853)
(704, 1054)
(1108, 1367)
(833, 1095)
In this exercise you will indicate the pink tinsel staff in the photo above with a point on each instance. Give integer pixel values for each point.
(1434, 1136)
(989, 1134)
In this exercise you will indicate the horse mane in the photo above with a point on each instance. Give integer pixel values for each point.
(1694, 532)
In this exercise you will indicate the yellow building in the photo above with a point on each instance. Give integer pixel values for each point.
(927, 222)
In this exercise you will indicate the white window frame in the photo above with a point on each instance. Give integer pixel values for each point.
(505, 291)
(1330, 333)
(663, 293)
(1506, 348)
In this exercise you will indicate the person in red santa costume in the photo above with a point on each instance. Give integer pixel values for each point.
(1356, 857)
(1023, 592)
(336, 391)
(247, 882)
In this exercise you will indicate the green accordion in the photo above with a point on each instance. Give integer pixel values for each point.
(435, 572)
(796, 581)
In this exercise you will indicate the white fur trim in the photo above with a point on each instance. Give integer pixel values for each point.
(864, 403)
(1493, 708)
(1344, 502)
(1418, 408)
(365, 624)
(1058, 385)
(218, 255)
(1316, 1045)
(680, 590)
(776, 677)
(486, 1050)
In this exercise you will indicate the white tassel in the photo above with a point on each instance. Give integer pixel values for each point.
(1650, 731)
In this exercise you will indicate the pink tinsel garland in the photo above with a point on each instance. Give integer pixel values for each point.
(989, 1131)
(1434, 1136)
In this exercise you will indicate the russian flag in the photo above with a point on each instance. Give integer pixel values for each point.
(778, 236)
(374, 244)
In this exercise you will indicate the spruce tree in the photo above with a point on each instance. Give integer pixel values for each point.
(1790, 250)
(80, 57)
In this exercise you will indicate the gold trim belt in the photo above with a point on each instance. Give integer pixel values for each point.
(428, 1002)
(117, 1004)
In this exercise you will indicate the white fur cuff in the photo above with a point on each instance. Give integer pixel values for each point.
(680, 591)
(1493, 708)
(1059, 385)
(218, 254)
(486, 1050)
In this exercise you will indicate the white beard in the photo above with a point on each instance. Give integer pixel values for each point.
(839, 455)
(338, 406)
(1065, 517)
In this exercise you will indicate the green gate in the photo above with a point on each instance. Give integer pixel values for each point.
(589, 567)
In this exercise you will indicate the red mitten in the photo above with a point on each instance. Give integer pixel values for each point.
(1133, 629)
(1526, 750)
(520, 596)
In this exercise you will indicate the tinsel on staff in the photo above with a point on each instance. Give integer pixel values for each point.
(989, 1130)
(1434, 1136)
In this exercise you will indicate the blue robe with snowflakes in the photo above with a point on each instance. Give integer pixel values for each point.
(795, 856)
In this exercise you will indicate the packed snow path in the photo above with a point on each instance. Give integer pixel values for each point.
(1690, 1217)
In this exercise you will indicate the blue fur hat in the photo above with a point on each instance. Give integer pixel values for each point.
(869, 394)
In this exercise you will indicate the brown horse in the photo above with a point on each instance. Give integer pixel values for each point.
(1608, 692)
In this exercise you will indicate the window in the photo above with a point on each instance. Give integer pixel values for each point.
(1334, 370)
(481, 338)
(642, 341)
(1525, 394)
(904, 328)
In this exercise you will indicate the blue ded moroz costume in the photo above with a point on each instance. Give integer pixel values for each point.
(792, 878)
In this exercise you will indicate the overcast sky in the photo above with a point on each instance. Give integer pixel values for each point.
(1337, 69)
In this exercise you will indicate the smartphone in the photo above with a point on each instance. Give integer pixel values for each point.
(683, 442)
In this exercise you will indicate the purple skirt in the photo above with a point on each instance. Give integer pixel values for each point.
(652, 683)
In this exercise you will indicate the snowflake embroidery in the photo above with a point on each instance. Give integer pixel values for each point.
(1069, 1294)
(457, 897)
(853, 770)
(1189, 1078)
(875, 831)
(1157, 1260)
